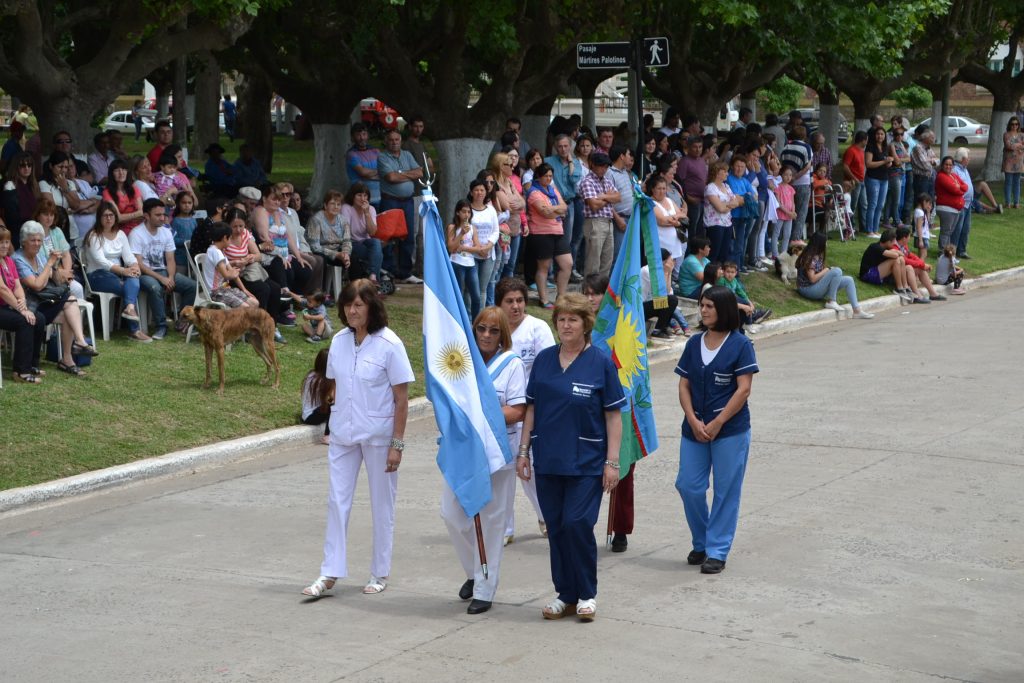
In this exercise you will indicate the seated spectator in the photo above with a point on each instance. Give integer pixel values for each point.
(20, 194)
(712, 273)
(361, 217)
(219, 173)
(182, 227)
(282, 258)
(297, 205)
(243, 255)
(84, 216)
(15, 316)
(121, 194)
(101, 158)
(816, 281)
(164, 136)
(663, 315)
(222, 279)
(111, 266)
(947, 272)
(883, 264)
(920, 268)
(750, 314)
(329, 233)
(691, 271)
(142, 172)
(54, 240)
(153, 246)
(248, 170)
(298, 232)
(49, 298)
(61, 191)
(169, 182)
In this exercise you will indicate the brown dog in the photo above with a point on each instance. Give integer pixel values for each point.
(219, 327)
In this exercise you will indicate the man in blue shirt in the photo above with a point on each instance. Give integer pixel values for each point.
(621, 175)
(248, 170)
(398, 171)
(361, 162)
(230, 113)
(961, 157)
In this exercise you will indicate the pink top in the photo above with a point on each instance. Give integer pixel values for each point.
(356, 221)
(234, 252)
(9, 272)
(539, 225)
(785, 194)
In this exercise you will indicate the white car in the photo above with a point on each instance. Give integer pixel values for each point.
(122, 122)
(963, 131)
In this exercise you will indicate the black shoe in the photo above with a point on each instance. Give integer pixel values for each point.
(619, 543)
(965, 256)
(696, 557)
(466, 592)
(478, 607)
(712, 566)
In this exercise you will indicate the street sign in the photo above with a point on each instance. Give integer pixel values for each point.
(606, 55)
(655, 52)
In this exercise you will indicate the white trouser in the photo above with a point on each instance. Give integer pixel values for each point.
(343, 464)
(462, 531)
(530, 487)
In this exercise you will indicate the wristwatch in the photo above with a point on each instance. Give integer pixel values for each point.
(398, 445)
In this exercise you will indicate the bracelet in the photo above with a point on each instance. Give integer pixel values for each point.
(611, 463)
(398, 445)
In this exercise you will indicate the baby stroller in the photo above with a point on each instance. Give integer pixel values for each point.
(835, 215)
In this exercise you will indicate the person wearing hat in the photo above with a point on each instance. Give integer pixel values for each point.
(599, 196)
(219, 173)
(15, 143)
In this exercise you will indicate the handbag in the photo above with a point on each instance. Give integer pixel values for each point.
(391, 225)
(52, 293)
(255, 272)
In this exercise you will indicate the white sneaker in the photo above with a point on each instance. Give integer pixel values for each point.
(834, 305)
(412, 280)
(863, 315)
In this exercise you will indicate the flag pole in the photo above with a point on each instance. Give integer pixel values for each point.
(611, 517)
(480, 543)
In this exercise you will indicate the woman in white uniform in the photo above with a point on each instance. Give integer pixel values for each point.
(530, 336)
(371, 372)
(494, 340)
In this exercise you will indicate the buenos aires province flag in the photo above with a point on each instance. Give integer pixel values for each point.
(473, 441)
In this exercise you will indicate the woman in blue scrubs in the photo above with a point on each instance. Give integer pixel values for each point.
(573, 401)
(715, 374)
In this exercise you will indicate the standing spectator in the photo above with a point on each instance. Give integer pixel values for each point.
(897, 178)
(101, 158)
(20, 194)
(950, 190)
(820, 153)
(546, 211)
(513, 129)
(745, 215)
(797, 155)
(463, 250)
(137, 118)
(772, 127)
(13, 146)
(398, 172)
(599, 196)
(605, 140)
(692, 174)
(247, 169)
(854, 173)
(1013, 162)
(153, 246)
(361, 162)
(624, 181)
(164, 137)
(568, 173)
(924, 162)
(573, 423)
(371, 372)
(413, 144)
(487, 229)
(716, 428)
(719, 201)
(671, 123)
(508, 185)
(876, 178)
(230, 116)
(670, 218)
(961, 159)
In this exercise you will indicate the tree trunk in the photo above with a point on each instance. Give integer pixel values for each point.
(993, 169)
(254, 93)
(180, 118)
(207, 116)
(589, 111)
(828, 123)
(70, 113)
(749, 100)
(330, 140)
(461, 159)
(535, 123)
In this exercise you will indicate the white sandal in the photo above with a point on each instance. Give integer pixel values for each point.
(586, 610)
(556, 609)
(375, 585)
(319, 587)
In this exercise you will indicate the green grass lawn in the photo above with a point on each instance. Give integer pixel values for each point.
(146, 400)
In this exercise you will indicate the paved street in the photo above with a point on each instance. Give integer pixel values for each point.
(881, 539)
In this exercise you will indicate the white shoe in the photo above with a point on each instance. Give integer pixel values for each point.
(412, 280)
(834, 305)
(863, 315)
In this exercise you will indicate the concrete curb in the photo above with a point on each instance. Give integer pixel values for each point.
(203, 457)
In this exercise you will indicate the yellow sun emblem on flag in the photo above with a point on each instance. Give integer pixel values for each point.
(453, 361)
(627, 351)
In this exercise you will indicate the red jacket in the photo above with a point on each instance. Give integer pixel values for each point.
(949, 190)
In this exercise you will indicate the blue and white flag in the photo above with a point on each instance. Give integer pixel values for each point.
(473, 441)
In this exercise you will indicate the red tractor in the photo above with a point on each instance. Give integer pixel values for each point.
(377, 116)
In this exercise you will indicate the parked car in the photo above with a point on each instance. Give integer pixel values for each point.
(378, 116)
(962, 130)
(812, 118)
(122, 122)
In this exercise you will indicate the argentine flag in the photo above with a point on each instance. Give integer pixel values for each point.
(473, 441)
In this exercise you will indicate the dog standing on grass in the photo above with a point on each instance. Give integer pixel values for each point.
(218, 328)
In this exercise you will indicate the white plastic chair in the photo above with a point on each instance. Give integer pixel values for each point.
(203, 297)
(335, 279)
(108, 306)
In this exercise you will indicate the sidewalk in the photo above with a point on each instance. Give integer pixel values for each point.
(879, 540)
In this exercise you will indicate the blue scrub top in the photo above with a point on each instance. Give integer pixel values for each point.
(569, 435)
(712, 385)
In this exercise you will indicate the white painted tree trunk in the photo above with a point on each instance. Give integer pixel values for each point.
(459, 160)
(535, 130)
(993, 169)
(829, 127)
(162, 106)
(589, 112)
(861, 124)
(330, 140)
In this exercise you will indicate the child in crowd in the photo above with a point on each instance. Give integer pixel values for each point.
(315, 323)
(785, 193)
(169, 181)
(220, 275)
(182, 227)
(712, 273)
(750, 313)
(947, 272)
(318, 396)
(922, 223)
(463, 250)
(533, 160)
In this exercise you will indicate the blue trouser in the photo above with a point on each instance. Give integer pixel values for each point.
(618, 237)
(509, 269)
(962, 230)
(894, 200)
(155, 293)
(924, 185)
(484, 270)
(828, 286)
(127, 288)
(876, 190)
(407, 245)
(577, 234)
(370, 253)
(858, 205)
(721, 242)
(570, 506)
(1011, 188)
(801, 202)
(727, 456)
(739, 244)
(468, 285)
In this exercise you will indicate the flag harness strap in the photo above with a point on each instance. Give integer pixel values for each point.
(499, 362)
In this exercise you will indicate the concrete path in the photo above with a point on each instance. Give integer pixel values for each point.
(881, 539)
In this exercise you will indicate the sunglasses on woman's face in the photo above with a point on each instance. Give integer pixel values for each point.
(25, 164)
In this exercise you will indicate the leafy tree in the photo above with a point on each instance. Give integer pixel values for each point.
(780, 95)
(912, 97)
